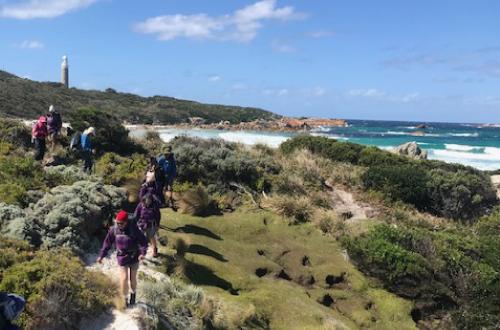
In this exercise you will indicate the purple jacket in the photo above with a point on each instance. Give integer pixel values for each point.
(147, 216)
(130, 242)
(54, 123)
(149, 187)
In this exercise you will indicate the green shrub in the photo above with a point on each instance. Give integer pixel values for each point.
(58, 289)
(379, 253)
(407, 183)
(66, 216)
(64, 175)
(315, 144)
(14, 133)
(215, 163)
(115, 169)
(459, 195)
(111, 135)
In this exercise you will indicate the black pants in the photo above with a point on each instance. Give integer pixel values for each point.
(87, 161)
(39, 149)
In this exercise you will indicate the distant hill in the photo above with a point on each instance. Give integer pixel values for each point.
(25, 98)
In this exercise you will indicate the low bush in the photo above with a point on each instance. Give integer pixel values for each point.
(400, 182)
(460, 195)
(64, 175)
(294, 210)
(59, 291)
(15, 133)
(115, 169)
(215, 163)
(111, 135)
(183, 306)
(198, 202)
(66, 216)
(443, 269)
(346, 174)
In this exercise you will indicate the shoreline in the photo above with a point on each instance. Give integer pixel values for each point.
(287, 125)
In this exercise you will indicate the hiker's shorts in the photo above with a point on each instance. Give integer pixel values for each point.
(133, 267)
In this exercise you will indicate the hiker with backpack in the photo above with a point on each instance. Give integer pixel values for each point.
(131, 246)
(11, 307)
(154, 173)
(148, 214)
(87, 150)
(54, 125)
(38, 135)
(167, 162)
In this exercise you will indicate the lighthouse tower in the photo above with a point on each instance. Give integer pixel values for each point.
(65, 71)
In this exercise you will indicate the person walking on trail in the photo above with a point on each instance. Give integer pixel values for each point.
(148, 214)
(87, 150)
(39, 134)
(54, 125)
(131, 246)
(167, 162)
(154, 173)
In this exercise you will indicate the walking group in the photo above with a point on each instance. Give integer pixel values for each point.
(133, 233)
(49, 128)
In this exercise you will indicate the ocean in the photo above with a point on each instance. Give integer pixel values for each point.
(468, 144)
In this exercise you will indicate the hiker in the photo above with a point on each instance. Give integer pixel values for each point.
(54, 125)
(39, 135)
(155, 173)
(131, 246)
(11, 307)
(148, 214)
(167, 162)
(87, 150)
(149, 187)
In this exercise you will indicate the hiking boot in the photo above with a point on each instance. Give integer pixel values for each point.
(155, 252)
(126, 303)
(132, 299)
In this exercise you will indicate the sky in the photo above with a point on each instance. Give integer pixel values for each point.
(423, 60)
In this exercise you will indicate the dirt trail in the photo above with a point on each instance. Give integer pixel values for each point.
(344, 201)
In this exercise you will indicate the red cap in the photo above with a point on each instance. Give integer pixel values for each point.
(122, 216)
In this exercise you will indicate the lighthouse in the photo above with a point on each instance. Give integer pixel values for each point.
(65, 72)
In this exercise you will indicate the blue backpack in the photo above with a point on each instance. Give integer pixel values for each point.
(11, 306)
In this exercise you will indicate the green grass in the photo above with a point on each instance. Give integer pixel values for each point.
(225, 252)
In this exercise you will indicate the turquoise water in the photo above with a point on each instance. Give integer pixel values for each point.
(467, 144)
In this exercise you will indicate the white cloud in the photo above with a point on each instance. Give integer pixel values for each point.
(43, 8)
(27, 44)
(374, 93)
(239, 86)
(282, 92)
(313, 92)
(242, 25)
(214, 78)
(282, 48)
(319, 33)
(367, 93)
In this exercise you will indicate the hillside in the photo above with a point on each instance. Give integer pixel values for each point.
(29, 99)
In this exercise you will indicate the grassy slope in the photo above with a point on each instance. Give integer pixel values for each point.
(29, 99)
(234, 258)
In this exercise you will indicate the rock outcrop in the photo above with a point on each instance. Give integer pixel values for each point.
(410, 149)
(284, 125)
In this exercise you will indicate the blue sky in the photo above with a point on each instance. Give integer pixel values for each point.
(423, 60)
